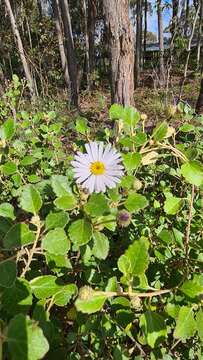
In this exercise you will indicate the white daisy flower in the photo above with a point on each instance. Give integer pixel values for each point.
(98, 169)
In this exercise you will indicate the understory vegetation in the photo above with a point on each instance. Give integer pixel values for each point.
(115, 275)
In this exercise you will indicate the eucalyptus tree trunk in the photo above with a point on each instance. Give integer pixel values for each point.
(21, 51)
(161, 43)
(138, 42)
(86, 33)
(71, 56)
(121, 43)
(60, 36)
(91, 21)
(145, 25)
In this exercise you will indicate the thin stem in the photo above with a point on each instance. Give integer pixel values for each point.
(187, 237)
(32, 251)
(133, 294)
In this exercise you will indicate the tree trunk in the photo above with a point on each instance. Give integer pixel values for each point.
(92, 11)
(86, 33)
(187, 13)
(161, 43)
(59, 30)
(145, 25)
(71, 56)
(175, 8)
(21, 51)
(199, 105)
(138, 42)
(200, 36)
(122, 50)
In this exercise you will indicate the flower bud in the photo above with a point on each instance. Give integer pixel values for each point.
(85, 292)
(143, 117)
(124, 218)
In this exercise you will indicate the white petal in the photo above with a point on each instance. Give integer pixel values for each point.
(114, 173)
(100, 150)
(82, 177)
(101, 183)
(83, 159)
(94, 150)
(109, 182)
(106, 152)
(89, 152)
(89, 183)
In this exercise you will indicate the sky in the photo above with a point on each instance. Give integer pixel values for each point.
(152, 19)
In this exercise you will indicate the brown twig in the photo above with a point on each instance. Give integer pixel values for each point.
(187, 237)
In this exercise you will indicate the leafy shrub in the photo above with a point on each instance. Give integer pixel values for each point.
(105, 276)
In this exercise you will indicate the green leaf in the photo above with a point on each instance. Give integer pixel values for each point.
(192, 288)
(81, 125)
(135, 202)
(66, 202)
(63, 297)
(18, 235)
(101, 246)
(56, 242)
(7, 210)
(60, 185)
(116, 112)
(166, 236)
(139, 139)
(26, 340)
(45, 286)
(172, 205)
(7, 273)
(192, 171)
(130, 116)
(187, 128)
(30, 200)
(80, 232)
(91, 305)
(131, 161)
(9, 168)
(153, 327)
(28, 160)
(135, 259)
(97, 205)
(57, 263)
(185, 325)
(160, 131)
(7, 130)
(54, 220)
(18, 298)
(199, 322)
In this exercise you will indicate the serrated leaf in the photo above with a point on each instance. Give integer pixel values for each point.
(81, 125)
(92, 305)
(185, 325)
(56, 242)
(7, 210)
(9, 168)
(26, 340)
(7, 273)
(135, 202)
(80, 232)
(7, 130)
(153, 327)
(131, 161)
(45, 286)
(97, 205)
(60, 185)
(101, 246)
(187, 128)
(30, 200)
(18, 298)
(191, 288)
(130, 116)
(54, 220)
(135, 259)
(172, 205)
(18, 235)
(199, 322)
(192, 171)
(116, 112)
(57, 263)
(66, 202)
(160, 131)
(63, 297)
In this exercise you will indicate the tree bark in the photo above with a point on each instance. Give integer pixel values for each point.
(92, 12)
(199, 105)
(187, 13)
(145, 25)
(138, 42)
(21, 51)
(200, 37)
(122, 50)
(161, 43)
(71, 56)
(59, 30)
(86, 33)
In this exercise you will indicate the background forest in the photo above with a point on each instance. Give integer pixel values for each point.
(109, 266)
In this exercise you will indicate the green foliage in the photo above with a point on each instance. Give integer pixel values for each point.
(75, 279)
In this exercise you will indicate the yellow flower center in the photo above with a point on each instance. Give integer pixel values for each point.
(97, 168)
